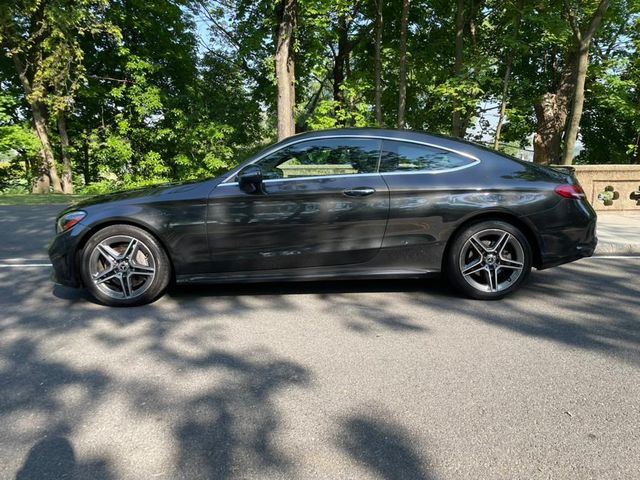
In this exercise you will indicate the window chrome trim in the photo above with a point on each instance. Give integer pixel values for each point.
(475, 161)
(311, 177)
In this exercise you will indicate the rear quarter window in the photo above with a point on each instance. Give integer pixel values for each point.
(400, 156)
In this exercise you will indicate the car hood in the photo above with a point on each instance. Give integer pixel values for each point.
(141, 194)
(125, 195)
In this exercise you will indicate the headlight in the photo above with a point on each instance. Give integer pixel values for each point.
(68, 220)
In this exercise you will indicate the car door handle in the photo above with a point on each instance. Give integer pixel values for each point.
(359, 192)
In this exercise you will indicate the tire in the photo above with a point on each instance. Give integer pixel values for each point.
(123, 265)
(489, 260)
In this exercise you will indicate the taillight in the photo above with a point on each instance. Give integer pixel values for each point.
(570, 191)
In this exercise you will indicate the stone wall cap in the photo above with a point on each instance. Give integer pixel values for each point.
(613, 166)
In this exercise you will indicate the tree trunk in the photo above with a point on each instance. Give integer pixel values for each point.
(582, 64)
(378, 63)
(285, 73)
(456, 121)
(503, 102)
(47, 171)
(551, 116)
(341, 59)
(551, 111)
(507, 77)
(86, 171)
(402, 82)
(67, 172)
(47, 174)
(573, 123)
(311, 105)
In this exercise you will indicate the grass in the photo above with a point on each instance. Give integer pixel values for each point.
(30, 199)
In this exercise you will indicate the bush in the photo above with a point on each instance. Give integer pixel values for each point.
(109, 186)
(16, 187)
(12, 180)
(96, 188)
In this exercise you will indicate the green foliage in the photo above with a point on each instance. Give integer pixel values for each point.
(174, 89)
(10, 179)
(111, 184)
(21, 198)
(19, 149)
(354, 111)
(610, 127)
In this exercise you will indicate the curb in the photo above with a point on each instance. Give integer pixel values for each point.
(617, 248)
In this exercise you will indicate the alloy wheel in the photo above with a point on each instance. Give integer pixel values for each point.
(492, 260)
(122, 267)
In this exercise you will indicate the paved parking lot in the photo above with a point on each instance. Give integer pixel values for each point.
(388, 380)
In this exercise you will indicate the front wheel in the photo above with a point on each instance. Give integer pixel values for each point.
(123, 265)
(489, 260)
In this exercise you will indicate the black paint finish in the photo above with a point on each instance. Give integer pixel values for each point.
(360, 225)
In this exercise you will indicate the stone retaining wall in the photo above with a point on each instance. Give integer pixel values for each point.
(611, 187)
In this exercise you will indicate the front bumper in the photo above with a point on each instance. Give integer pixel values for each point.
(63, 252)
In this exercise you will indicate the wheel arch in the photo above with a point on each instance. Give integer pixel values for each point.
(521, 224)
(95, 228)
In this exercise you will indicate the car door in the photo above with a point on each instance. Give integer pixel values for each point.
(321, 203)
(424, 181)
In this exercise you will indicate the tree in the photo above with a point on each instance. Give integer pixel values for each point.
(511, 49)
(378, 62)
(43, 41)
(456, 128)
(402, 81)
(610, 126)
(19, 146)
(128, 92)
(285, 67)
(583, 39)
(565, 71)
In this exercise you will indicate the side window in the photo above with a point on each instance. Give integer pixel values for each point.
(412, 157)
(316, 158)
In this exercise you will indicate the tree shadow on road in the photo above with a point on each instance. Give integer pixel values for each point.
(571, 306)
(222, 423)
(54, 458)
(383, 448)
(231, 428)
(340, 298)
(220, 404)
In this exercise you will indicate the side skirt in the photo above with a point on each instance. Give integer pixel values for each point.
(304, 274)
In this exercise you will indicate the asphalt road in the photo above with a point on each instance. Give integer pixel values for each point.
(387, 380)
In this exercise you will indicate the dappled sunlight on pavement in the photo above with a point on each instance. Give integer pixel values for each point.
(400, 379)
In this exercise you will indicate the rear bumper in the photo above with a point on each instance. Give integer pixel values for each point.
(568, 245)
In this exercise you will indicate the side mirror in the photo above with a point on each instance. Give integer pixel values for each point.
(250, 179)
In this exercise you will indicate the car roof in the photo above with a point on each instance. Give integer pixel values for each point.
(394, 134)
(368, 131)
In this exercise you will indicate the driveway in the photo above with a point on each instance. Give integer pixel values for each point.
(386, 380)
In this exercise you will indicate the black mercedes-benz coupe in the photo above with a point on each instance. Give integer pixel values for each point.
(339, 204)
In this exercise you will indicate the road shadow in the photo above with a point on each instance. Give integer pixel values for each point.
(572, 306)
(226, 422)
(383, 448)
(429, 285)
(232, 427)
(220, 403)
(54, 458)
(342, 298)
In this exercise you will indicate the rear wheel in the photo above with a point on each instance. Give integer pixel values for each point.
(123, 265)
(489, 260)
